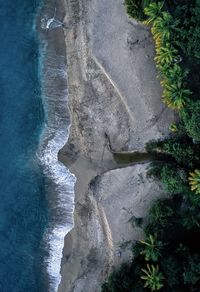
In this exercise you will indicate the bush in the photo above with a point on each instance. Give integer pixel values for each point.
(193, 198)
(160, 213)
(191, 120)
(119, 280)
(172, 269)
(173, 179)
(154, 169)
(190, 217)
(125, 279)
(134, 8)
(192, 271)
(181, 149)
(188, 35)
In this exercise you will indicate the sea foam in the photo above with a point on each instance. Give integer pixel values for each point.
(54, 136)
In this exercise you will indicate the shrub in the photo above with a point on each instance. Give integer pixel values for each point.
(154, 169)
(172, 269)
(193, 198)
(119, 280)
(192, 271)
(182, 151)
(180, 148)
(191, 119)
(135, 9)
(188, 35)
(191, 217)
(160, 213)
(173, 179)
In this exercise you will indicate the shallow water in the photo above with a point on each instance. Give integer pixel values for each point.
(134, 157)
(35, 189)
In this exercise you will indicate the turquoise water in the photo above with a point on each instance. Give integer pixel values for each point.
(23, 204)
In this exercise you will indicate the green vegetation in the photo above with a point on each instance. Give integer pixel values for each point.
(194, 181)
(188, 37)
(152, 248)
(179, 149)
(168, 259)
(135, 8)
(153, 11)
(173, 179)
(164, 29)
(191, 119)
(153, 277)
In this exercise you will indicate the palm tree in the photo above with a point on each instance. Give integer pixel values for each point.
(194, 181)
(153, 11)
(175, 95)
(161, 28)
(145, 3)
(153, 277)
(163, 69)
(165, 54)
(174, 74)
(152, 250)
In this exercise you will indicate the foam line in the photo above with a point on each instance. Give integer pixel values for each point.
(53, 138)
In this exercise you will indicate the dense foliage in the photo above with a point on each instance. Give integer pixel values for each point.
(188, 36)
(191, 118)
(135, 8)
(169, 257)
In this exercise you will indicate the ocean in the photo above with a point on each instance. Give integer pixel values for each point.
(37, 191)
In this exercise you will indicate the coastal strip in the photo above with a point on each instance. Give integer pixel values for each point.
(59, 181)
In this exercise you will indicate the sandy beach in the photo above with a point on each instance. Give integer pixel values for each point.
(113, 92)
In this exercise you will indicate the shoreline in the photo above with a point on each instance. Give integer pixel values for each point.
(99, 104)
(59, 182)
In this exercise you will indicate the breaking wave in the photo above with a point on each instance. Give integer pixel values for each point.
(60, 186)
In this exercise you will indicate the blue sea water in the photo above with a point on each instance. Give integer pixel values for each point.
(23, 203)
(36, 190)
